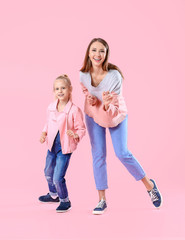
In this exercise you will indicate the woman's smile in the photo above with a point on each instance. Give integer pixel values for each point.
(97, 59)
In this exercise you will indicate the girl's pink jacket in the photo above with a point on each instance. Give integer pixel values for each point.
(70, 119)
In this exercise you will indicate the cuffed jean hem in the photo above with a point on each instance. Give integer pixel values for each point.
(140, 178)
(101, 188)
(64, 199)
(53, 194)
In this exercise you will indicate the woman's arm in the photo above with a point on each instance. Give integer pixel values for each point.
(111, 101)
(92, 100)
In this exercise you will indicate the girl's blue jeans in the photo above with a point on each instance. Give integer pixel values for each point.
(55, 170)
(118, 134)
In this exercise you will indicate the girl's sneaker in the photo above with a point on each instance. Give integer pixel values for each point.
(100, 208)
(155, 195)
(47, 198)
(64, 207)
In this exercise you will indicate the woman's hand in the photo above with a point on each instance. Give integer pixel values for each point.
(107, 98)
(43, 137)
(92, 100)
(75, 136)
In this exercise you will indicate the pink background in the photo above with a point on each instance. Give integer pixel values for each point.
(42, 39)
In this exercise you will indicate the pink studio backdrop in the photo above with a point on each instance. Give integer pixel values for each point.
(42, 39)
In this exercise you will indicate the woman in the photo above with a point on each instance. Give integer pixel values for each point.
(105, 108)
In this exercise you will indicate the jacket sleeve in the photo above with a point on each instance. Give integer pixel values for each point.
(79, 126)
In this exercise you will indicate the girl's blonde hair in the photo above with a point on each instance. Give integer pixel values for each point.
(67, 81)
(63, 77)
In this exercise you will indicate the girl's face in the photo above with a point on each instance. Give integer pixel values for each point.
(62, 90)
(97, 54)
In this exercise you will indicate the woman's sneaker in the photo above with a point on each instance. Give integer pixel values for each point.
(64, 207)
(100, 208)
(155, 195)
(48, 199)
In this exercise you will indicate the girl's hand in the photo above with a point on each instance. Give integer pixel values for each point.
(107, 98)
(43, 137)
(92, 100)
(70, 133)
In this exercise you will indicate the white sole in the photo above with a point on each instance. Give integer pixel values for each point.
(63, 211)
(99, 212)
(49, 202)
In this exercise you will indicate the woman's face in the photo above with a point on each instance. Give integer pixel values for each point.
(97, 54)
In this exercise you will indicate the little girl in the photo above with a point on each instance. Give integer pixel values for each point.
(63, 130)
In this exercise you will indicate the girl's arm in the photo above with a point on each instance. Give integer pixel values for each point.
(79, 126)
(70, 133)
(45, 129)
(43, 137)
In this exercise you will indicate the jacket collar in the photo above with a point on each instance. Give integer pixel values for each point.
(53, 106)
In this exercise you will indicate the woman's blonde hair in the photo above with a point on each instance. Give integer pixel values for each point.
(67, 81)
(106, 66)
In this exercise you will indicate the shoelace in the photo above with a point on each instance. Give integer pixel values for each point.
(153, 195)
(100, 204)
